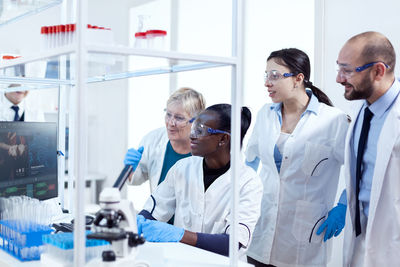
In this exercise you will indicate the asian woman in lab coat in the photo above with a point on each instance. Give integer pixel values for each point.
(197, 190)
(160, 149)
(299, 139)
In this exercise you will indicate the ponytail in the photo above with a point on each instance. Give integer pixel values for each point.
(298, 62)
(321, 96)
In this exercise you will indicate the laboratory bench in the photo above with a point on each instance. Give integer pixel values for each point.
(156, 254)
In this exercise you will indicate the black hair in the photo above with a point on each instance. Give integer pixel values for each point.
(298, 62)
(224, 120)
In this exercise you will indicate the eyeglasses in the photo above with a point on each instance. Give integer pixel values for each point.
(347, 72)
(274, 75)
(200, 130)
(178, 120)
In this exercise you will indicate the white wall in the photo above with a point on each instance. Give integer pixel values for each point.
(108, 100)
(344, 19)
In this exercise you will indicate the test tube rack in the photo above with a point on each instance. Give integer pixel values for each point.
(22, 239)
(59, 248)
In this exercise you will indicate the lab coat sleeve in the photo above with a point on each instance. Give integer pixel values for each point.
(252, 151)
(162, 203)
(250, 196)
(141, 173)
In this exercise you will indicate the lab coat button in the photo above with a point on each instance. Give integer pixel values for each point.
(286, 157)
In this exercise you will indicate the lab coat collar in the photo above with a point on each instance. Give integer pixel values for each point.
(379, 107)
(311, 107)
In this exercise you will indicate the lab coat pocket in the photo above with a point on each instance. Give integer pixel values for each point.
(308, 217)
(316, 158)
(190, 220)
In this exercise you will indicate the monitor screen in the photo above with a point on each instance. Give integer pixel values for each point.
(28, 159)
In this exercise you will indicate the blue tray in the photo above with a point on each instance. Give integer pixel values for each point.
(24, 243)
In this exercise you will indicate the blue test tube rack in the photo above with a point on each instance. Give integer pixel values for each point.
(22, 239)
(60, 246)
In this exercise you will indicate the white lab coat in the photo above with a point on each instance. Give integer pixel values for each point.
(295, 200)
(7, 114)
(150, 166)
(382, 240)
(182, 193)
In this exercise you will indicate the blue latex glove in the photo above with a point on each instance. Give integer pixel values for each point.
(139, 221)
(133, 157)
(155, 231)
(335, 222)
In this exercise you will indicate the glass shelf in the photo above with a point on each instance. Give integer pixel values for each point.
(13, 10)
(105, 63)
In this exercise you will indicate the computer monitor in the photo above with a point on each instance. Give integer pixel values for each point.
(28, 159)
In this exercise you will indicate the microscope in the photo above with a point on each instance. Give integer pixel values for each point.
(116, 223)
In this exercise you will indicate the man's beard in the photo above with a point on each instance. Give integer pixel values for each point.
(363, 91)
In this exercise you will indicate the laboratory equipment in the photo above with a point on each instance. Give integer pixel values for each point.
(18, 70)
(140, 40)
(140, 35)
(58, 249)
(146, 37)
(64, 34)
(125, 173)
(156, 39)
(116, 223)
(28, 159)
(23, 222)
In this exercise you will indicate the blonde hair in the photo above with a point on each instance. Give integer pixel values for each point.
(191, 100)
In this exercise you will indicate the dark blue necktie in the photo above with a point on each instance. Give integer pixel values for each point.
(16, 116)
(360, 152)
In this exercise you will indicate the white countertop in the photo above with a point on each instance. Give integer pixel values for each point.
(157, 254)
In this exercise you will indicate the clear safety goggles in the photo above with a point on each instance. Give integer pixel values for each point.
(200, 130)
(346, 71)
(273, 76)
(176, 119)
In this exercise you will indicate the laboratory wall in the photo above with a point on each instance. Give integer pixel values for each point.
(339, 20)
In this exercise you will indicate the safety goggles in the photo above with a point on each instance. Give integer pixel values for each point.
(273, 76)
(176, 119)
(201, 130)
(346, 71)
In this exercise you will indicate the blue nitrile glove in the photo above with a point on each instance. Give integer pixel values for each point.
(140, 219)
(334, 223)
(133, 157)
(155, 231)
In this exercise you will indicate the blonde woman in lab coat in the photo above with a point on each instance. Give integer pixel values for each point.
(299, 139)
(197, 190)
(160, 149)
